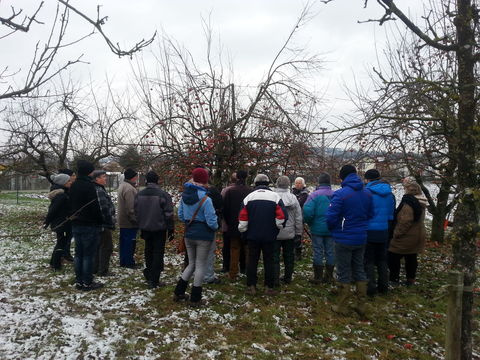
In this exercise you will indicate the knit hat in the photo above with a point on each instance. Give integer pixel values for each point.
(98, 173)
(283, 182)
(324, 179)
(347, 170)
(241, 174)
(200, 175)
(84, 167)
(129, 174)
(372, 174)
(60, 179)
(151, 177)
(66, 171)
(261, 179)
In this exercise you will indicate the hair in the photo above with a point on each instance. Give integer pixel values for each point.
(301, 179)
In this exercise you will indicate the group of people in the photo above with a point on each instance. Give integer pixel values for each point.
(357, 231)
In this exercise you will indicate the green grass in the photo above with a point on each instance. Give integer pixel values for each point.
(133, 322)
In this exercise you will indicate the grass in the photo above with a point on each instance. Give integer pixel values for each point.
(45, 317)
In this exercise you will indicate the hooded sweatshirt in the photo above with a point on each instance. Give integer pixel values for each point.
(349, 212)
(205, 224)
(294, 224)
(315, 210)
(383, 205)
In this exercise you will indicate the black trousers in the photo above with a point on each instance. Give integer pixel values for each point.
(254, 249)
(411, 264)
(375, 259)
(63, 239)
(101, 264)
(154, 253)
(226, 251)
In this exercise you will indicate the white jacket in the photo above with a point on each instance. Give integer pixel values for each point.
(294, 225)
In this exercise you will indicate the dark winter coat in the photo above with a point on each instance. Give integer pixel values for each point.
(301, 195)
(350, 210)
(154, 209)
(106, 207)
(315, 210)
(262, 215)
(84, 203)
(59, 209)
(205, 223)
(232, 203)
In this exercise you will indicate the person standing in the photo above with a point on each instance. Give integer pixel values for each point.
(261, 218)
(197, 212)
(314, 213)
(154, 213)
(126, 218)
(378, 232)
(232, 203)
(86, 225)
(67, 254)
(293, 228)
(225, 237)
(347, 218)
(105, 245)
(57, 217)
(408, 233)
(300, 191)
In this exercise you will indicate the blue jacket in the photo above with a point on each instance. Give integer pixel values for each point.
(383, 205)
(205, 223)
(315, 210)
(349, 212)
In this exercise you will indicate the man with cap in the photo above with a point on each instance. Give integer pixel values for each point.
(127, 221)
(347, 219)
(314, 214)
(261, 218)
(58, 212)
(86, 225)
(154, 213)
(378, 231)
(105, 245)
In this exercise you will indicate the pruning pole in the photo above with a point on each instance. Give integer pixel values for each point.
(453, 335)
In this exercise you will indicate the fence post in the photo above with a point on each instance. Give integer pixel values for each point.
(453, 334)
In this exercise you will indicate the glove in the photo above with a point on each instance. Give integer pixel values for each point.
(170, 235)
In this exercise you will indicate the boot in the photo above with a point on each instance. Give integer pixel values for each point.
(328, 276)
(179, 292)
(343, 295)
(360, 305)
(196, 298)
(317, 274)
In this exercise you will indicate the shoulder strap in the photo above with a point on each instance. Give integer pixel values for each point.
(197, 210)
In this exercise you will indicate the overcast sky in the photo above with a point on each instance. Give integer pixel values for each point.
(251, 33)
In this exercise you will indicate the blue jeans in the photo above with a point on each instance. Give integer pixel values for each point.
(323, 249)
(349, 261)
(210, 270)
(86, 243)
(127, 246)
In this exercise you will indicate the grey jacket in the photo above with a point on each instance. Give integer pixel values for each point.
(294, 225)
(126, 200)
(154, 209)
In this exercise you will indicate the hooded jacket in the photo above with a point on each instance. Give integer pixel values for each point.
(315, 210)
(205, 224)
(262, 215)
(349, 212)
(59, 209)
(294, 223)
(383, 205)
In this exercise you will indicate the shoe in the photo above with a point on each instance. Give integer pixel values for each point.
(360, 305)
(196, 297)
(179, 292)
(133, 266)
(78, 286)
(252, 290)
(106, 274)
(179, 298)
(197, 304)
(68, 258)
(214, 281)
(341, 303)
(409, 282)
(328, 275)
(317, 274)
(271, 291)
(93, 286)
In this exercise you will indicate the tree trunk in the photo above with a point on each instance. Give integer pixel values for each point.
(440, 214)
(466, 215)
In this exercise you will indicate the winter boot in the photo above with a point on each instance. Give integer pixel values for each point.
(317, 274)
(196, 298)
(179, 292)
(328, 276)
(360, 305)
(343, 295)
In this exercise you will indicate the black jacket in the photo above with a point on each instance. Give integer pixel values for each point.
(232, 203)
(154, 209)
(84, 203)
(59, 209)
